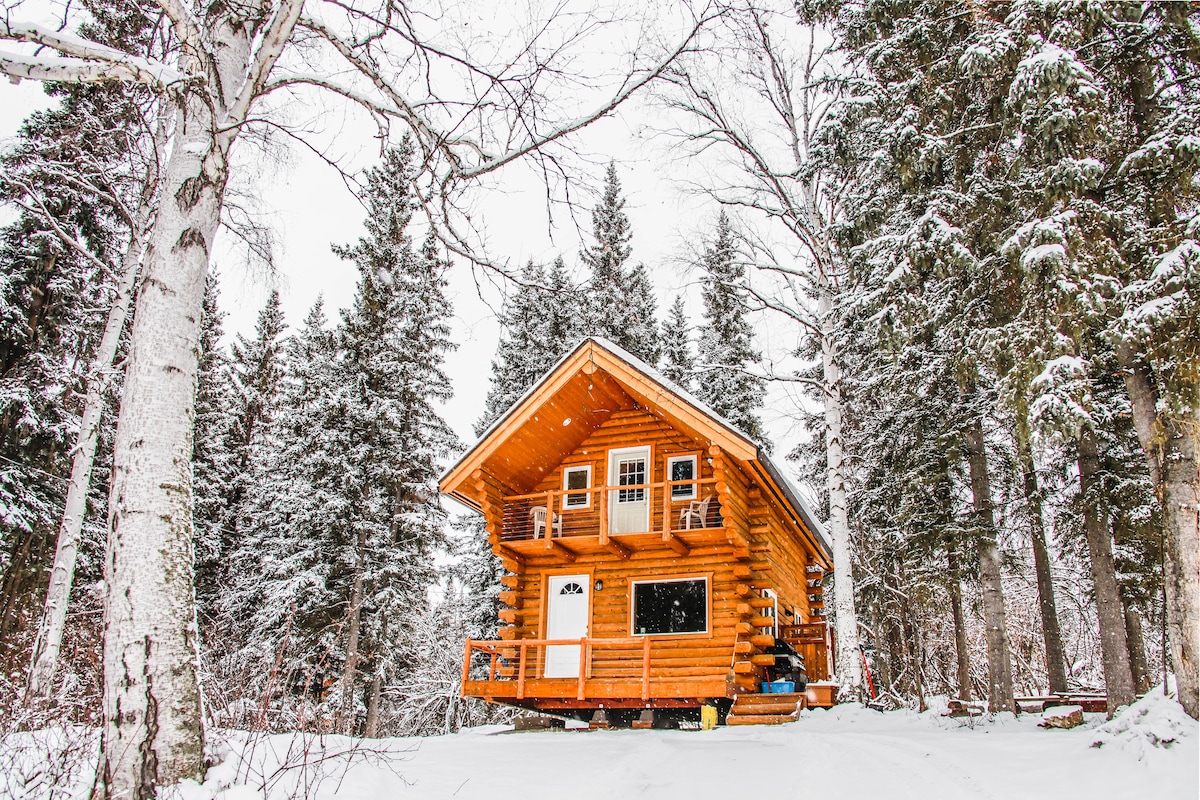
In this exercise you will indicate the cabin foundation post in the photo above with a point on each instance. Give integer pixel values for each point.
(599, 720)
(645, 720)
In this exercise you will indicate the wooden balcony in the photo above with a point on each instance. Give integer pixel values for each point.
(628, 672)
(577, 522)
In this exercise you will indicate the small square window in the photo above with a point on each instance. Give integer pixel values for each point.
(577, 478)
(682, 468)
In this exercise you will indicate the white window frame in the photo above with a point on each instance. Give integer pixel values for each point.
(568, 492)
(689, 578)
(691, 488)
(770, 594)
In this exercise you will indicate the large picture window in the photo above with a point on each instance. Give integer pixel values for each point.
(676, 606)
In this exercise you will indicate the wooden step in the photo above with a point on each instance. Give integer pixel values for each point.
(760, 719)
(775, 707)
(766, 709)
(751, 699)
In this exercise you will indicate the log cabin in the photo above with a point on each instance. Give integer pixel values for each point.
(653, 554)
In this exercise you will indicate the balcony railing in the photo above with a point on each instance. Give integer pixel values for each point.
(586, 512)
(520, 663)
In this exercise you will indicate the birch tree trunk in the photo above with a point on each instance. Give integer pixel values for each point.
(1114, 648)
(153, 729)
(1170, 447)
(1056, 660)
(849, 664)
(1000, 688)
(62, 573)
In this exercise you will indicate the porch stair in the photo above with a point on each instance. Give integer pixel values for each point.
(766, 709)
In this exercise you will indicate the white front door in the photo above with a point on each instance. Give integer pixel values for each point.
(629, 509)
(566, 618)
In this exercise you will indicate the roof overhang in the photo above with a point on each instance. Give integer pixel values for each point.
(574, 398)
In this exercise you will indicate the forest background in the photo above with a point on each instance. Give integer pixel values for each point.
(986, 244)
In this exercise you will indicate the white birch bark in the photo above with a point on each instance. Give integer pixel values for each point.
(849, 665)
(153, 730)
(62, 573)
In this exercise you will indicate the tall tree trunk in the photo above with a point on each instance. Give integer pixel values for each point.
(1000, 685)
(961, 649)
(1056, 660)
(62, 574)
(849, 658)
(153, 726)
(912, 636)
(1170, 447)
(1137, 648)
(371, 729)
(354, 628)
(1118, 677)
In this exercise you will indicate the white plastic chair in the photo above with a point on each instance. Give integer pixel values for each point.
(697, 512)
(538, 515)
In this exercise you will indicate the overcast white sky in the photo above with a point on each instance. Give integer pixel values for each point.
(309, 206)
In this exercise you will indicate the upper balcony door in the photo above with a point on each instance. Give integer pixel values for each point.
(629, 509)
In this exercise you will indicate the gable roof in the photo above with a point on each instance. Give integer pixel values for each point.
(557, 413)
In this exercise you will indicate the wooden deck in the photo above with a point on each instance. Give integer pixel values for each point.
(632, 672)
(628, 672)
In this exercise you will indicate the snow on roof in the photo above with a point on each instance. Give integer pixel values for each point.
(789, 489)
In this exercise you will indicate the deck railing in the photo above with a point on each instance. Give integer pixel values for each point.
(524, 660)
(814, 641)
(566, 515)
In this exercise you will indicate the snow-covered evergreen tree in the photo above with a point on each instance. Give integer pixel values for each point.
(392, 343)
(619, 301)
(538, 324)
(81, 175)
(213, 465)
(678, 362)
(725, 354)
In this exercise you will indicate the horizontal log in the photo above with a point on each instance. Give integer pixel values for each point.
(765, 660)
(762, 602)
(744, 648)
(510, 598)
(762, 640)
(508, 615)
(511, 581)
(744, 668)
(763, 622)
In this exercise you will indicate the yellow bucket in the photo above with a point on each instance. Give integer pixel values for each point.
(708, 718)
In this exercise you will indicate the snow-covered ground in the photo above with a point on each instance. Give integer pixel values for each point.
(846, 753)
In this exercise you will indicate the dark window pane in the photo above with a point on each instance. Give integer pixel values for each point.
(683, 470)
(577, 479)
(671, 607)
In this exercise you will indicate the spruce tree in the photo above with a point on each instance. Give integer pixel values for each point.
(725, 353)
(392, 343)
(254, 374)
(619, 305)
(213, 466)
(537, 327)
(678, 364)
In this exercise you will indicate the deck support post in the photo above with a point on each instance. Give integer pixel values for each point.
(466, 674)
(646, 668)
(583, 661)
(521, 674)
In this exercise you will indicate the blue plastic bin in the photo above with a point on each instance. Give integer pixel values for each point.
(779, 687)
